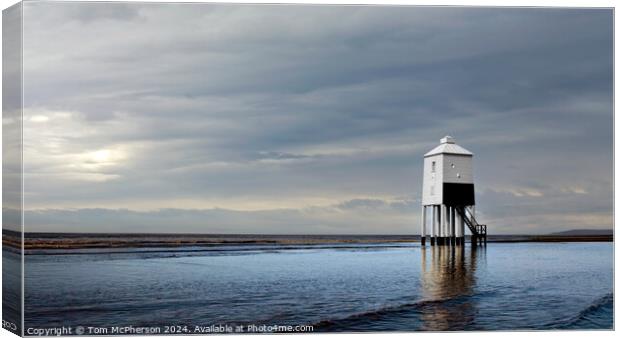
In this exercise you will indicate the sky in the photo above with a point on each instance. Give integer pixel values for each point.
(282, 119)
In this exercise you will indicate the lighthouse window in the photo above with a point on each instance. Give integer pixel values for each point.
(433, 167)
(452, 165)
(432, 189)
(458, 175)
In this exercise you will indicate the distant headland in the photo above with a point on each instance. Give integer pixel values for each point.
(584, 232)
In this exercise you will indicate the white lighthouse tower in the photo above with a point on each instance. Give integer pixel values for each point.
(448, 196)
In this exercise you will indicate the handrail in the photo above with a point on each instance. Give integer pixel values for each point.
(471, 216)
(473, 225)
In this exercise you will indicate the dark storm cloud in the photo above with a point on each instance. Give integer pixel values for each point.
(146, 105)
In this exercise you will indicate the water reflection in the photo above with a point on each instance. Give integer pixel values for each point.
(448, 280)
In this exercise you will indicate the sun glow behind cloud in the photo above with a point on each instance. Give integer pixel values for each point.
(52, 150)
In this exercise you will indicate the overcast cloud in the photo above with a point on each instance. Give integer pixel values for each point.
(311, 119)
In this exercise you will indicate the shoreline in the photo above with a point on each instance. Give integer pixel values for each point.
(49, 241)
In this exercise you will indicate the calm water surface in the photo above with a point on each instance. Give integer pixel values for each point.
(505, 286)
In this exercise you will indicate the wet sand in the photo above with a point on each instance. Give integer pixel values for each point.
(34, 241)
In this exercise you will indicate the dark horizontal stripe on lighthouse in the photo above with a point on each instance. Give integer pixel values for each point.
(458, 194)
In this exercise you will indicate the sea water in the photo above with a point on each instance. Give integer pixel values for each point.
(351, 287)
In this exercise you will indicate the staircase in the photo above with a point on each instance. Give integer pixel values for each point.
(477, 230)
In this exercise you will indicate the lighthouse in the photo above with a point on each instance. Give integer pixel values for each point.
(448, 199)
